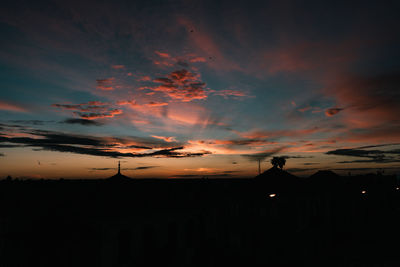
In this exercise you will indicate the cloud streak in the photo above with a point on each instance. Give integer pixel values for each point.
(91, 110)
(96, 146)
(105, 84)
(8, 106)
(82, 122)
(372, 156)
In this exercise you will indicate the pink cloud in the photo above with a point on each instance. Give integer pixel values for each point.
(118, 67)
(204, 43)
(279, 133)
(181, 84)
(371, 105)
(11, 107)
(144, 79)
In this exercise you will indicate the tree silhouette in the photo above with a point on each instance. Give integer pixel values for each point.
(278, 162)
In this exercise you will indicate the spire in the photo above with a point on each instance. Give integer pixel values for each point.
(119, 167)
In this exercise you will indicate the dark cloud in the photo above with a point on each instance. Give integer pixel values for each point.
(227, 172)
(332, 111)
(95, 146)
(381, 145)
(82, 122)
(141, 168)
(8, 146)
(370, 156)
(300, 169)
(91, 110)
(102, 169)
(202, 176)
(367, 169)
(33, 122)
(297, 157)
(140, 147)
(182, 63)
(262, 155)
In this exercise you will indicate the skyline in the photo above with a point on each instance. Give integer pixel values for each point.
(191, 89)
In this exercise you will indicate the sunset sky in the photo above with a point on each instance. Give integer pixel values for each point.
(198, 88)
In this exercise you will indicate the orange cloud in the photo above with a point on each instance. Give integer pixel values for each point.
(197, 59)
(332, 111)
(157, 104)
(165, 138)
(161, 54)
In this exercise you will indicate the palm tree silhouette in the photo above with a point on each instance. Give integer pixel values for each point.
(278, 162)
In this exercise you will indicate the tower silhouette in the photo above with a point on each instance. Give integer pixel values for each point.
(119, 176)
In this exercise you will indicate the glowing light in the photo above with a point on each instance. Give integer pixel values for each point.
(363, 192)
(272, 195)
(397, 188)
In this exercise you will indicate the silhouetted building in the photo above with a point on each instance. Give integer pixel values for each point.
(119, 177)
(277, 180)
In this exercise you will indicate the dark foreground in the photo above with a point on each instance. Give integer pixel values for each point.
(319, 222)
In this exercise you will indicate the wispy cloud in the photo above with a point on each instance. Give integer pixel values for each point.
(9, 106)
(230, 93)
(105, 84)
(118, 67)
(262, 155)
(124, 169)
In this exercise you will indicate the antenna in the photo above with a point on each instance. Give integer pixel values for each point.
(259, 167)
(119, 167)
